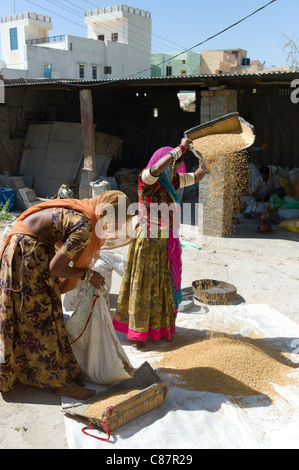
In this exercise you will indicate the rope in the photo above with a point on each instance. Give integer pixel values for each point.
(89, 317)
(105, 426)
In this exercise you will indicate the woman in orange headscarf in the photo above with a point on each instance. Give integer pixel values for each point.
(49, 248)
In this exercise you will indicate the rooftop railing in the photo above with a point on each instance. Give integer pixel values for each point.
(31, 42)
(115, 8)
(26, 16)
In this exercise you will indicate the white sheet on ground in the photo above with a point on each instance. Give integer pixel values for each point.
(201, 420)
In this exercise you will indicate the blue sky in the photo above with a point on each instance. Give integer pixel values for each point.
(180, 25)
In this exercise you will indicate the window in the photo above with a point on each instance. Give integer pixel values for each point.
(114, 37)
(47, 71)
(81, 71)
(168, 70)
(187, 100)
(107, 70)
(101, 37)
(13, 32)
(183, 72)
(94, 73)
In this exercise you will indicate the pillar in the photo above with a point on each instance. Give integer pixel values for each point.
(217, 208)
(88, 172)
(217, 102)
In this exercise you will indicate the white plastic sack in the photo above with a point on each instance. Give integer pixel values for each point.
(114, 260)
(254, 174)
(6, 232)
(105, 270)
(287, 214)
(256, 207)
(93, 340)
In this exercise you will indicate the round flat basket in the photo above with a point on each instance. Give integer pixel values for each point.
(214, 292)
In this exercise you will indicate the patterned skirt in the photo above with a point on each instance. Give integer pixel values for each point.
(145, 303)
(34, 346)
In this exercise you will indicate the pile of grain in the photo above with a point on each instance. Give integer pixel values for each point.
(98, 407)
(227, 162)
(227, 365)
(212, 147)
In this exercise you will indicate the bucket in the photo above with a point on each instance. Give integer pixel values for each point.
(99, 186)
(6, 195)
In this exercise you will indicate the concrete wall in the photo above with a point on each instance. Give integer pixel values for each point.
(188, 63)
(132, 25)
(130, 55)
(29, 26)
(222, 61)
(62, 62)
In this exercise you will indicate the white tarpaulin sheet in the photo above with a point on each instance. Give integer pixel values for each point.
(201, 420)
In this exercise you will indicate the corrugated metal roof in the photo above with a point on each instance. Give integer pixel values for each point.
(275, 76)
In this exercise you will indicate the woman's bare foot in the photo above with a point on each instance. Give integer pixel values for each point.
(76, 391)
(138, 344)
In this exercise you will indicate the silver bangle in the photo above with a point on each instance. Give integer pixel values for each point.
(204, 169)
(88, 273)
(176, 154)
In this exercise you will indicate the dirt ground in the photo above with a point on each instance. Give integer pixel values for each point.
(263, 268)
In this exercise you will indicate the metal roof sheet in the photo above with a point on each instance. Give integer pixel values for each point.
(53, 154)
(82, 83)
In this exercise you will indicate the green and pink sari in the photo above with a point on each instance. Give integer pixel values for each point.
(151, 286)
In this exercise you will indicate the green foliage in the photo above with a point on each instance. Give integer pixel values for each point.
(4, 210)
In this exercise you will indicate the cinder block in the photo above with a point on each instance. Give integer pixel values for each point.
(27, 194)
(18, 182)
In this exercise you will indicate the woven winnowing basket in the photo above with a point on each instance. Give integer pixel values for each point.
(152, 393)
(133, 407)
(228, 124)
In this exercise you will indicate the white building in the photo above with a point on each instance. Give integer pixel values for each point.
(118, 45)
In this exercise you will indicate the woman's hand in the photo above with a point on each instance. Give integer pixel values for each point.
(97, 280)
(165, 161)
(185, 142)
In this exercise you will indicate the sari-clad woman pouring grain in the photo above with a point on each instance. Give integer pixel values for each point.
(49, 248)
(151, 285)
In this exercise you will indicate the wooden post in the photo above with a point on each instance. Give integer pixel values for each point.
(88, 172)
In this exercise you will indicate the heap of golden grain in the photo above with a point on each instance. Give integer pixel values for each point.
(222, 363)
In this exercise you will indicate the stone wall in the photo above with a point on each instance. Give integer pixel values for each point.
(216, 102)
(217, 201)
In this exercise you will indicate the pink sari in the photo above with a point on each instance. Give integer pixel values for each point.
(174, 244)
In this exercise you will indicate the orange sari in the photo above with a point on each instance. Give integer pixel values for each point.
(103, 212)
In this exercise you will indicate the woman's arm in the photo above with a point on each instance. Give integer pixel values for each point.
(164, 162)
(59, 267)
(199, 174)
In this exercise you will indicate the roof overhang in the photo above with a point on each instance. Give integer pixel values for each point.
(191, 82)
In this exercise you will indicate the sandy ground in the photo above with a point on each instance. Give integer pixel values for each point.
(263, 268)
